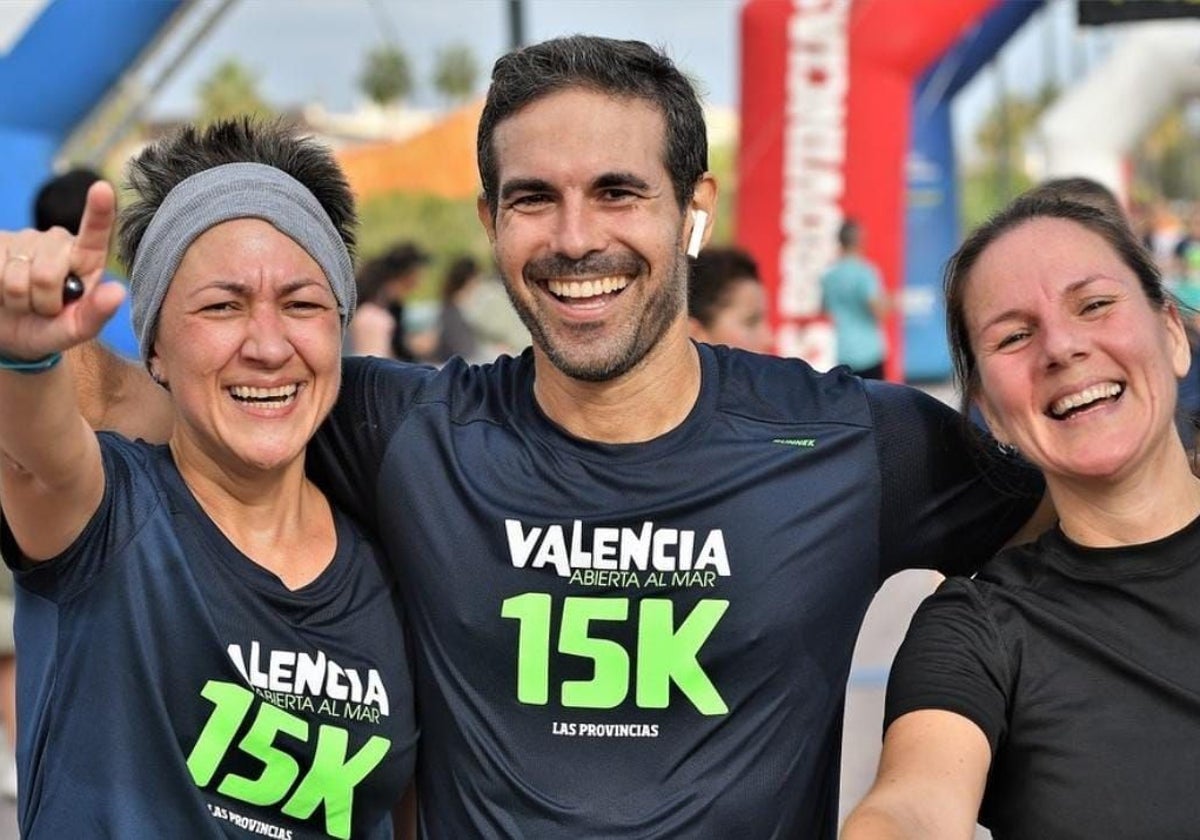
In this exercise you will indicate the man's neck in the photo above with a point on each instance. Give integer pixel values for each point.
(648, 401)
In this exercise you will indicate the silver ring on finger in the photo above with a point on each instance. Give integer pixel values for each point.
(25, 258)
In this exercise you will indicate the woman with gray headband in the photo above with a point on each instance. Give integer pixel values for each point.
(207, 648)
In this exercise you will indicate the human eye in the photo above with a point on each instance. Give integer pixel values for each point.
(305, 307)
(529, 201)
(1094, 305)
(307, 298)
(617, 194)
(1011, 339)
(219, 306)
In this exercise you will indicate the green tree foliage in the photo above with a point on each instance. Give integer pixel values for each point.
(456, 72)
(386, 76)
(1001, 137)
(229, 91)
(722, 162)
(1006, 125)
(1167, 160)
(447, 228)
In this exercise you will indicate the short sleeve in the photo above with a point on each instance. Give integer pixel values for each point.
(130, 498)
(947, 504)
(345, 455)
(953, 659)
(872, 283)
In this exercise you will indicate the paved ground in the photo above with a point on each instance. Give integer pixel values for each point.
(881, 634)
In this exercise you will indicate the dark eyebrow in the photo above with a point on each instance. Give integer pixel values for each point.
(1075, 287)
(304, 283)
(620, 179)
(234, 287)
(524, 185)
(231, 286)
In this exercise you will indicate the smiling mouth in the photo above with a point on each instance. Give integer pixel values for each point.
(585, 289)
(1072, 404)
(265, 397)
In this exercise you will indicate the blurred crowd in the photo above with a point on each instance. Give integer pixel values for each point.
(471, 317)
(1171, 232)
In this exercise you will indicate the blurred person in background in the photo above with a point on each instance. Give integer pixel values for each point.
(455, 336)
(1187, 261)
(1082, 190)
(385, 284)
(853, 297)
(372, 328)
(60, 203)
(488, 311)
(726, 301)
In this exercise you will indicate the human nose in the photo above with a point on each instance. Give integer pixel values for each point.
(1062, 342)
(267, 341)
(577, 231)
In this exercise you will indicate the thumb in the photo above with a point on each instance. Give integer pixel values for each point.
(93, 310)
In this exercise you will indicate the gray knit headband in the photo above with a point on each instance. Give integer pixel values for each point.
(220, 194)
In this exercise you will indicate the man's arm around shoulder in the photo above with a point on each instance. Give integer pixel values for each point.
(119, 395)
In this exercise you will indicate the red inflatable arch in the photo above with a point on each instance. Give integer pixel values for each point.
(826, 100)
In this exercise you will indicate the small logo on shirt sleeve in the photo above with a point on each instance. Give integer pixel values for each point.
(803, 443)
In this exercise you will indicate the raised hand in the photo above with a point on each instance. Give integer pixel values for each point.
(36, 318)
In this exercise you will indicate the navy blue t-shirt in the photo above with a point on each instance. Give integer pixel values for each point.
(647, 640)
(171, 687)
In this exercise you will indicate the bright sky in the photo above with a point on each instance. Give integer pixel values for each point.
(313, 50)
(303, 50)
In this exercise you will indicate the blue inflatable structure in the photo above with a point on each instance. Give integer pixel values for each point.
(54, 74)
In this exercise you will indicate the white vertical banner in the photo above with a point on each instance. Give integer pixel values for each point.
(813, 171)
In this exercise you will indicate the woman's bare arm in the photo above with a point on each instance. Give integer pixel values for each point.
(931, 779)
(51, 475)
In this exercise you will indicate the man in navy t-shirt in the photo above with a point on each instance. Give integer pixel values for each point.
(635, 566)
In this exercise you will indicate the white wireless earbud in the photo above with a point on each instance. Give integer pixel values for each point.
(699, 223)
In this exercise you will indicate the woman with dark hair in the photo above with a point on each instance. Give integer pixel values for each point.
(384, 285)
(726, 301)
(1057, 694)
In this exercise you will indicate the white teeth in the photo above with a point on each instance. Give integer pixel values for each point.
(1084, 397)
(586, 288)
(267, 397)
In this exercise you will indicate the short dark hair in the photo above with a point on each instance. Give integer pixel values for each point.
(191, 150)
(458, 275)
(400, 259)
(630, 69)
(849, 234)
(60, 201)
(1081, 190)
(710, 276)
(1034, 205)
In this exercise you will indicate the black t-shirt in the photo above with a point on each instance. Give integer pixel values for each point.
(646, 640)
(1080, 666)
(171, 687)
